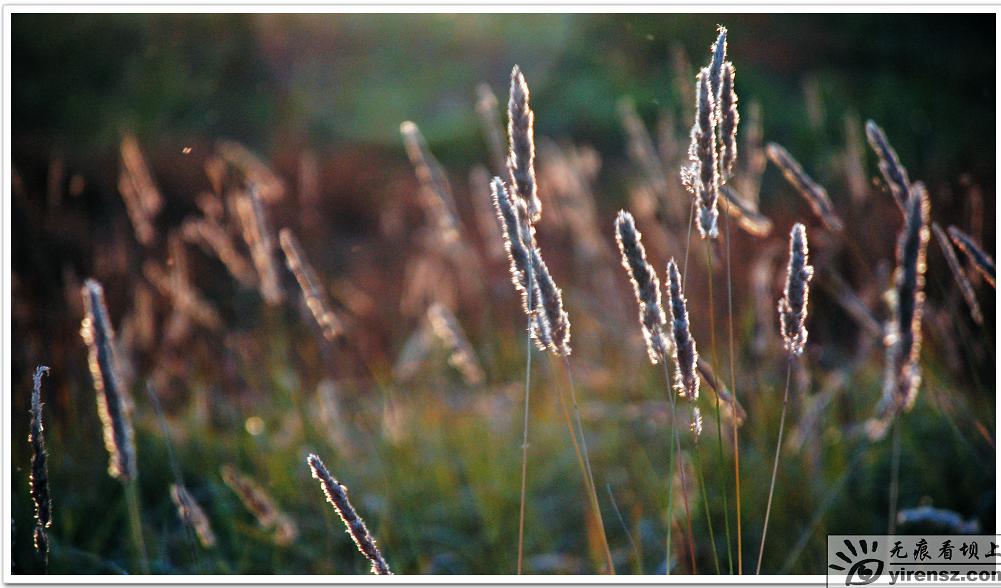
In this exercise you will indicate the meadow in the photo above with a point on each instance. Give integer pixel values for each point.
(242, 240)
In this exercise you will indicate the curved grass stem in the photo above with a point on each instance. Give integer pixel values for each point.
(775, 467)
(584, 460)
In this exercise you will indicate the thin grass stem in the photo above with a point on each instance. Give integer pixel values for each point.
(705, 504)
(894, 477)
(719, 426)
(586, 463)
(733, 388)
(775, 466)
(524, 441)
(637, 554)
(135, 525)
(684, 485)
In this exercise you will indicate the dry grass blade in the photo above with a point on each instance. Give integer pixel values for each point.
(852, 159)
(269, 186)
(260, 504)
(889, 165)
(138, 190)
(192, 515)
(434, 183)
(853, 305)
(490, 123)
(113, 403)
(734, 409)
(462, 357)
(337, 496)
(980, 258)
(814, 194)
(681, 75)
(747, 216)
(39, 477)
(257, 234)
(183, 295)
(965, 287)
(641, 147)
(311, 287)
(753, 161)
(216, 241)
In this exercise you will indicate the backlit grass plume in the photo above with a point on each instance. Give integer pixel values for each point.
(521, 158)
(792, 319)
(312, 289)
(684, 351)
(893, 172)
(550, 307)
(113, 403)
(792, 306)
(337, 496)
(519, 240)
(39, 477)
(814, 194)
(980, 258)
(646, 285)
(965, 287)
(729, 118)
(903, 340)
(192, 515)
(701, 176)
(717, 64)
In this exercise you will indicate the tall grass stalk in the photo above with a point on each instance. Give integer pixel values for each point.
(719, 426)
(524, 439)
(586, 466)
(792, 318)
(775, 466)
(676, 448)
(135, 525)
(733, 389)
(894, 477)
(174, 467)
(705, 504)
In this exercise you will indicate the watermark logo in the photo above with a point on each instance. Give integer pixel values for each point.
(859, 564)
(913, 560)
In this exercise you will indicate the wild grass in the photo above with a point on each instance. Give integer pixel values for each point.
(421, 402)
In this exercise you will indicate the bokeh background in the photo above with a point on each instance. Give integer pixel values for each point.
(432, 461)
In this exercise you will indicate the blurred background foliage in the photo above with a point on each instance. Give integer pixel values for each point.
(325, 80)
